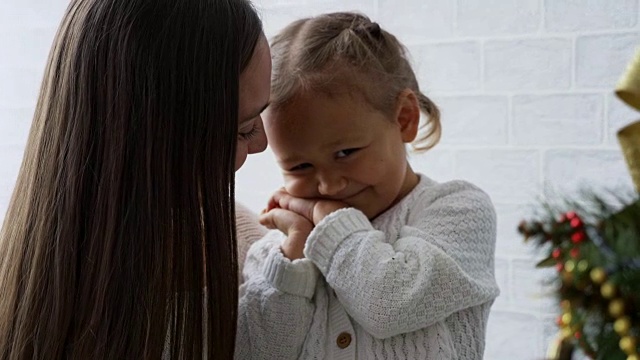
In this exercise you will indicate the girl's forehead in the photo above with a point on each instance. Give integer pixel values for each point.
(338, 97)
(324, 120)
(333, 82)
(317, 109)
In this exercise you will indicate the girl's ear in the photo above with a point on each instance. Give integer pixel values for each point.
(408, 115)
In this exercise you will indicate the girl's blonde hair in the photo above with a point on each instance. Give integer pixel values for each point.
(347, 49)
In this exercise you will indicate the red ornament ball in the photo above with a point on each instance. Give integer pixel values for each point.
(556, 253)
(578, 237)
(575, 252)
(576, 223)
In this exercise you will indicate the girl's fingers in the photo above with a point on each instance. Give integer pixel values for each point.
(285, 221)
(295, 226)
(274, 200)
(313, 210)
(303, 207)
(278, 197)
(272, 204)
(266, 220)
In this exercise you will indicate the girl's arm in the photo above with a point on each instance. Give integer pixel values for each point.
(275, 308)
(443, 262)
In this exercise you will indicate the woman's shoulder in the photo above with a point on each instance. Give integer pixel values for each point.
(247, 222)
(248, 231)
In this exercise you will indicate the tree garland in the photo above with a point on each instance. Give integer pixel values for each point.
(595, 248)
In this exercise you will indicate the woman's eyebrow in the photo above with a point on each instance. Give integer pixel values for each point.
(255, 114)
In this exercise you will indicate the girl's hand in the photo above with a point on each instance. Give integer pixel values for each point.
(313, 209)
(295, 226)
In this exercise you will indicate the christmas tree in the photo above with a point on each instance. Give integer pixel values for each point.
(594, 244)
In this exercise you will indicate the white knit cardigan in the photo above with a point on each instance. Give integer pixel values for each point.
(415, 283)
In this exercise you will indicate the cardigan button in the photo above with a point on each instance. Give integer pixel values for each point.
(343, 340)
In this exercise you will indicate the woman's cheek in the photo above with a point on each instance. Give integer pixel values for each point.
(241, 154)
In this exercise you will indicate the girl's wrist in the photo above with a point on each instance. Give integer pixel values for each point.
(293, 246)
(294, 277)
(323, 208)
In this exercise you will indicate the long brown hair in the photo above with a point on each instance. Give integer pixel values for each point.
(341, 49)
(123, 210)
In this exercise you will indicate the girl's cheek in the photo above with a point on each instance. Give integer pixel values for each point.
(299, 187)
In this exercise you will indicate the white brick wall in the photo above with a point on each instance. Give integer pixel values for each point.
(525, 88)
(448, 67)
(527, 64)
(475, 120)
(589, 15)
(410, 18)
(497, 17)
(602, 57)
(567, 119)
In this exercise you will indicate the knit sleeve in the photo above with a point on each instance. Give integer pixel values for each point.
(442, 262)
(248, 231)
(275, 307)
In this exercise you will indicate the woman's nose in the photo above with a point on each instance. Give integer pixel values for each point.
(259, 143)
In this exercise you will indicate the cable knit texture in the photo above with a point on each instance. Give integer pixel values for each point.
(415, 283)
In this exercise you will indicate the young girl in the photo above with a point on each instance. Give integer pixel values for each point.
(372, 260)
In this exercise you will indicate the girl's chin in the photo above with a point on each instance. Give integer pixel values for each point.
(370, 212)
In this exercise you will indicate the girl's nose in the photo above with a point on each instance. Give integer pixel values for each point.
(331, 184)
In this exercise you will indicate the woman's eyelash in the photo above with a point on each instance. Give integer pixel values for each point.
(255, 130)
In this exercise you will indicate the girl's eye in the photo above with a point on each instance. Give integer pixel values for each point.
(345, 152)
(300, 167)
(255, 130)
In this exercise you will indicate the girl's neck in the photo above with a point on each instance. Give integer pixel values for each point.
(411, 179)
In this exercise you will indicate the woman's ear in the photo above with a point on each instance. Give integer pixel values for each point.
(408, 115)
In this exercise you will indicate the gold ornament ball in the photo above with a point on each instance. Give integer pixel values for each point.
(608, 290)
(569, 266)
(598, 275)
(581, 285)
(566, 332)
(622, 325)
(566, 319)
(616, 308)
(628, 345)
(567, 277)
(583, 265)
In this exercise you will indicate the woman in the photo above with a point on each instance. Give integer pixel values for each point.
(123, 209)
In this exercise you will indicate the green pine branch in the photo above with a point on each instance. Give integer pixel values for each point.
(579, 236)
